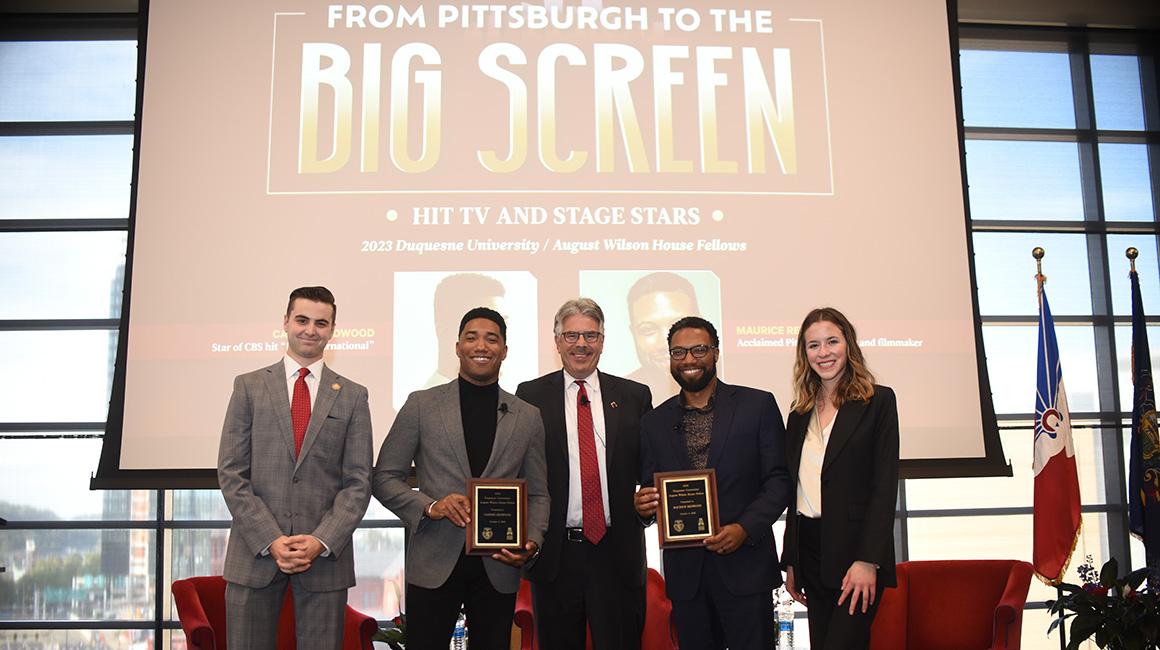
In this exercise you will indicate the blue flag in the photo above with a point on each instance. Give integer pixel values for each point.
(1144, 458)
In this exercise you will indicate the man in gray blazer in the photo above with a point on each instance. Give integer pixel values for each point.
(466, 428)
(294, 467)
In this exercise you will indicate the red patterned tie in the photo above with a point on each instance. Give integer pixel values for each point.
(590, 499)
(300, 409)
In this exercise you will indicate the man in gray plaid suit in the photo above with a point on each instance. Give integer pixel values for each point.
(469, 427)
(294, 467)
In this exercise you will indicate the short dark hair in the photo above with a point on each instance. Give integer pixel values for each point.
(661, 282)
(694, 323)
(458, 290)
(484, 312)
(315, 294)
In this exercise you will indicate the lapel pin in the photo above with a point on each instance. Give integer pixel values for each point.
(335, 386)
(614, 405)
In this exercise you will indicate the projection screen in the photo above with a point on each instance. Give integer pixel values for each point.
(740, 160)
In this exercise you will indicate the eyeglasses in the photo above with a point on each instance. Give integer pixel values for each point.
(589, 336)
(699, 351)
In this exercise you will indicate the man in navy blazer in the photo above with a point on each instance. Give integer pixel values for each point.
(721, 591)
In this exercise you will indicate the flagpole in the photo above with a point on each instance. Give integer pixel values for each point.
(1132, 254)
(1038, 254)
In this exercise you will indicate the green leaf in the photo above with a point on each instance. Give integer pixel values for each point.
(1136, 577)
(1109, 572)
(1083, 627)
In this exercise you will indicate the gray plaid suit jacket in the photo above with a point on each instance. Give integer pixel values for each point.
(429, 431)
(324, 492)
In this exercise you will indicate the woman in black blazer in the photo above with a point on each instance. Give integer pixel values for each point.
(842, 451)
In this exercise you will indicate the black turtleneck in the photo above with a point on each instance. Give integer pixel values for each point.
(478, 406)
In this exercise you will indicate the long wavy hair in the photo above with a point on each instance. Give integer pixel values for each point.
(856, 382)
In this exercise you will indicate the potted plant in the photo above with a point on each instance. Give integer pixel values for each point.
(394, 636)
(1117, 613)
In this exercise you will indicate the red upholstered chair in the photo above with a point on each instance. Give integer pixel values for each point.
(948, 604)
(524, 618)
(201, 606)
(659, 633)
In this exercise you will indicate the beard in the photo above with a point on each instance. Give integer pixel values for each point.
(698, 384)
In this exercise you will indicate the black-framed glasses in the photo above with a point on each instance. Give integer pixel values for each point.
(591, 336)
(698, 351)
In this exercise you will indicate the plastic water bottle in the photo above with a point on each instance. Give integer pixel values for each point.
(783, 614)
(459, 635)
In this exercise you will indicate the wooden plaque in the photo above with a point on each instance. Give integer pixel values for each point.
(688, 507)
(499, 509)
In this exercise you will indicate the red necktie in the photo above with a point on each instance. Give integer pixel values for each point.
(300, 409)
(590, 499)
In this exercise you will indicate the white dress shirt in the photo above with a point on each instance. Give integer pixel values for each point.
(575, 516)
(809, 487)
(312, 378)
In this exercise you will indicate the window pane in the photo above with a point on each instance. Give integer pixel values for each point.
(1005, 273)
(199, 505)
(77, 639)
(1016, 89)
(48, 479)
(57, 376)
(61, 275)
(1011, 179)
(1126, 182)
(67, 80)
(76, 574)
(1124, 363)
(1116, 86)
(378, 560)
(194, 552)
(1016, 491)
(65, 177)
(1035, 624)
(1011, 363)
(1145, 265)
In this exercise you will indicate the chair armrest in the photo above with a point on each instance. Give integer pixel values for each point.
(358, 630)
(198, 631)
(1009, 611)
(524, 618)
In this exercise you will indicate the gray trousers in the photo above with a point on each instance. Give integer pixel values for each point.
(252, 616)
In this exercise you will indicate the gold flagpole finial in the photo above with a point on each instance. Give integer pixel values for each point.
(1038, 254)
(1132, 254)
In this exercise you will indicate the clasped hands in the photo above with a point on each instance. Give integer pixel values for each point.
(725, 541)
(295, 553)
(456, 508)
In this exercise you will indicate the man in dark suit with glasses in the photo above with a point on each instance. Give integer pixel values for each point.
(591, 569)
(721, 590)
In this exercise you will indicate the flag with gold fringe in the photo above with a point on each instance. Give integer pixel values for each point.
(1144, 457)
(1056, 512)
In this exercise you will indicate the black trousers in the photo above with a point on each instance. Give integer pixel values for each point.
(431, 613)
(588, 594)
(715, 618)
(831, 627)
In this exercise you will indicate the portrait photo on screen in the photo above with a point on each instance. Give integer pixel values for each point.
(434, 302)
(639, 308)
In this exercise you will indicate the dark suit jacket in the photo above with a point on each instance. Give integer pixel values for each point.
(859, 487)
(624, 403)
(753, 485)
